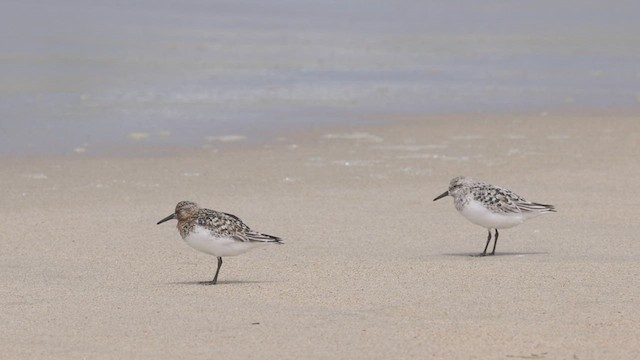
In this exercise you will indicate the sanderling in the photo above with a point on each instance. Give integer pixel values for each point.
(491, 206)
(216, 233)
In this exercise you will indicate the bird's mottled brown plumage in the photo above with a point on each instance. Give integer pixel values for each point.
(215, 233)
(221, 224)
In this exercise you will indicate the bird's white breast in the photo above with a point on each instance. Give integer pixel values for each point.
(475, 212)
(201, 239)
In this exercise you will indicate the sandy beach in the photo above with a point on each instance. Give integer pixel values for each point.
(371, 268)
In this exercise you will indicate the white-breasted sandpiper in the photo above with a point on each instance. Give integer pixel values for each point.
(491, 207)
(216, 233)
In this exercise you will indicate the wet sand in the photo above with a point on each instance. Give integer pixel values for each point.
(371, 268)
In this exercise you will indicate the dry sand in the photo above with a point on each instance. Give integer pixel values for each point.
(371, 268)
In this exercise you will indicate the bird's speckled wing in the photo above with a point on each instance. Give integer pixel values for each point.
(219, 223)
(223, 224)
(505, 201)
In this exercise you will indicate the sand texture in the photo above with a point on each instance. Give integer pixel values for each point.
(371, 268)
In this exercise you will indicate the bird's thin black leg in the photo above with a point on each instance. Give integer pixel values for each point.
(495, 241)
(487, 245)
(215, 278)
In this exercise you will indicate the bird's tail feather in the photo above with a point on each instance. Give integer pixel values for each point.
(536, 207)
(260, 237)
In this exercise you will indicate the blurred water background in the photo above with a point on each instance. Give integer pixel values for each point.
(88, 76)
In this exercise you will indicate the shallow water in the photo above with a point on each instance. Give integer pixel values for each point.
(88, 77)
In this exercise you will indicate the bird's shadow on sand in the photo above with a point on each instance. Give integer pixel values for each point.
(220, 283)
(478, 255)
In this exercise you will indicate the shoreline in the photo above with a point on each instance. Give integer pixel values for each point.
(160, 144)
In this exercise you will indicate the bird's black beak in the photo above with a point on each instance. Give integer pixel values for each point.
(170, 217)
(446, 193)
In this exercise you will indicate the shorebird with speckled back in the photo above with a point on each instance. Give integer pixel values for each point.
(216, 233)
(491, 207)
